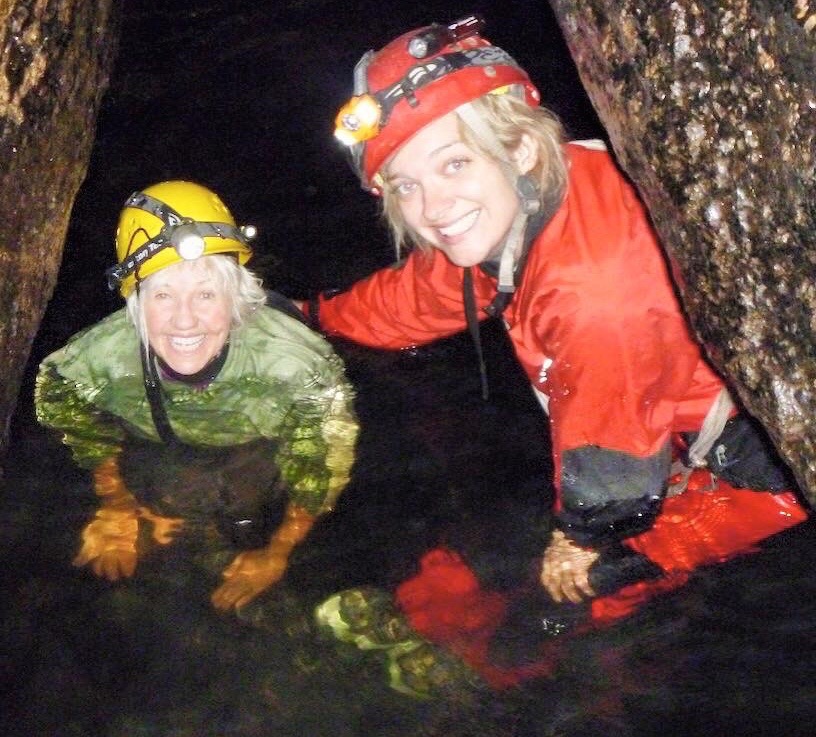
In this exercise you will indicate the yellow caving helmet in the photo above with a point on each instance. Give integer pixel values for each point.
(170, 222)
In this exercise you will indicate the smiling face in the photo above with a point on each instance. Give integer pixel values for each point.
(187, 315)
(455, 198)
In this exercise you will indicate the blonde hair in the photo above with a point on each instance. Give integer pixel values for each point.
(509, 118)
(243, 289)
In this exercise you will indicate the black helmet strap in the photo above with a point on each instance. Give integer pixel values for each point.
(175, 228)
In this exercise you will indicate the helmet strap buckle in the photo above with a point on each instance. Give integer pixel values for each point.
(528, 194)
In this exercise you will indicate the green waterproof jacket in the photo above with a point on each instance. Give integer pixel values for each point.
(281, 381)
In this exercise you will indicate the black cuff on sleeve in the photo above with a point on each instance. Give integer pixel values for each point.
(618, 567)
(599, 525)
(608, 495)
(313, 303)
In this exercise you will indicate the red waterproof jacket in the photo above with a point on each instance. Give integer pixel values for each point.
(597, 327)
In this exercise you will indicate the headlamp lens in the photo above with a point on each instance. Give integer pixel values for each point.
(424, 45)
(429, 42)
(358, 120)
(187, 242)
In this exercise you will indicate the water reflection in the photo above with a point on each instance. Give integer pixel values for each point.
(731, 652)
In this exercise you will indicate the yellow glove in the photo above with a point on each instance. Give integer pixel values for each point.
(254, 571)
(109, 540)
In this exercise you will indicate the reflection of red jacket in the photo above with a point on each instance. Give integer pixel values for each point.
(596, 326)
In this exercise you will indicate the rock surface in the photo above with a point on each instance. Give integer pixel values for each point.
(711, 109)
(55, 60)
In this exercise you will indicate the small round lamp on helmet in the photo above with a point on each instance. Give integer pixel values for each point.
(187, 242)
(417, 78)
(170, 222)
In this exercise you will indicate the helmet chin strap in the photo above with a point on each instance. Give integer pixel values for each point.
(524, 187)
(155, 397)
(512, 251)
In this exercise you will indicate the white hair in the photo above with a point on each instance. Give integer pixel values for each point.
(243, 289)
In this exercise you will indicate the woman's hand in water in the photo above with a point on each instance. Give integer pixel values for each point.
(109, 543)
(565, 569)
(251, 573)
(254, 571)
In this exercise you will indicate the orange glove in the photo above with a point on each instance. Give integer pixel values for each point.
(164, 528)
(109, 540)
(254, 571)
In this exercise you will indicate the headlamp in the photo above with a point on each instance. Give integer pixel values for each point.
(425, 44)
(366, 113)
(187, 241)
(188, 237)
(428, 42)
(358, 120)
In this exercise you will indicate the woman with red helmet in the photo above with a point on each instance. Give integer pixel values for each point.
(507, 219)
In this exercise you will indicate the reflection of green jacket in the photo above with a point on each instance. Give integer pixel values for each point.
(280, 381)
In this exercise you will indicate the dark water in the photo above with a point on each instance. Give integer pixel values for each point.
(240, 96)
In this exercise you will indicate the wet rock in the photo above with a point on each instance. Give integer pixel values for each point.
(55, 59)
(711, 109)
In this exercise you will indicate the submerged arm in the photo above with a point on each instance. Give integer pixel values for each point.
(318, 438)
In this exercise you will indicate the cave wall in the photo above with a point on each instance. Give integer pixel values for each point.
(55, 58)
(711, 110)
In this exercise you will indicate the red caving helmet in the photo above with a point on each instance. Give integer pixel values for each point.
(417, 78)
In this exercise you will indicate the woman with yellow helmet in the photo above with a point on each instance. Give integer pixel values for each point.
(197, 407)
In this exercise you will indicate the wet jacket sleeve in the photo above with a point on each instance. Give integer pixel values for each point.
(318, 435)
(411, 304)
(92, 434)
(623, 362)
